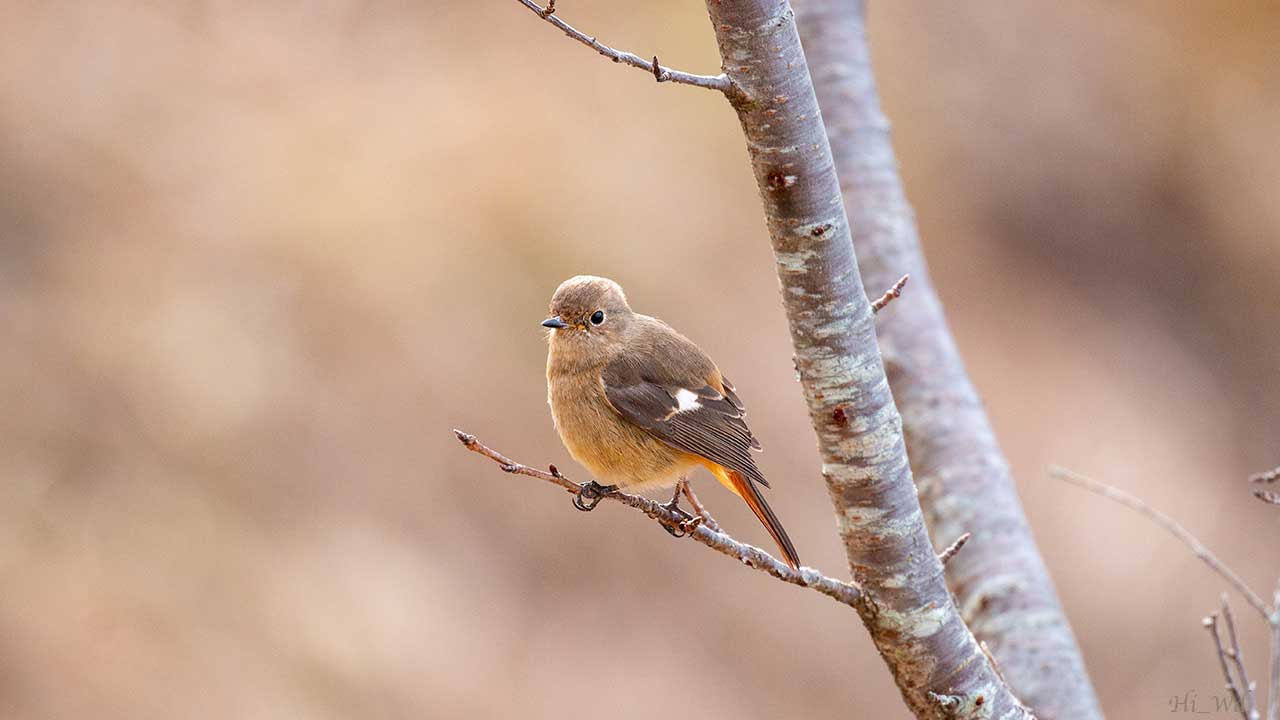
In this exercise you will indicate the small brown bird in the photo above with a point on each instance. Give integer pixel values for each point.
(641, 407)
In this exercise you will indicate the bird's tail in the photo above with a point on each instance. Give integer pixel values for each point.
(747, 490)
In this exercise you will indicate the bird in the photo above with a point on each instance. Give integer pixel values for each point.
(641, 406)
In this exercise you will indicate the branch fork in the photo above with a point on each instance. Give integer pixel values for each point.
(1231, 659)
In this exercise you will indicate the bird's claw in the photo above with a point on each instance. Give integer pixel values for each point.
(589, 495)
(684, 527)
(687, 523)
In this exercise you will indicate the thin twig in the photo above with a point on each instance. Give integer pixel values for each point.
(995, 664)
(1237, 657)
(719, 82)
(721, 542)
(953, 548)
(1273, 706)
(699, 508)
(890, 295)
(1168, 524)
(1211, 624)
(1269, 476)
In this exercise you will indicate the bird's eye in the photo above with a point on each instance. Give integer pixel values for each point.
(597, 317)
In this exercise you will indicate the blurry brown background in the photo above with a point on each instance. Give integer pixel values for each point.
(257, 259)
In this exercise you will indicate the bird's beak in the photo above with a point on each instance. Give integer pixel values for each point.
(555, 322)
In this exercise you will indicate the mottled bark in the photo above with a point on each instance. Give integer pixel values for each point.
(938, 665)
(1000, 580)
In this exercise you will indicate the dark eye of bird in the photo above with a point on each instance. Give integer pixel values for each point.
(597, 317)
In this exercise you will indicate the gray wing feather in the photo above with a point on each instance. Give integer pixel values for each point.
(714, 430)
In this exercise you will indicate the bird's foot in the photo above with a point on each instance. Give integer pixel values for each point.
(683, 527)
(589, 495)
(687, 523)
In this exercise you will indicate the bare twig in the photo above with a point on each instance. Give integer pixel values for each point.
(953, 548)
(1229, 654)
(890, 295)
(1273, 705)
(1237, 658)
(1233, 683)
(1168, 524)
(719, 82)
(749, 555)
(1269, 476)
(995, 664)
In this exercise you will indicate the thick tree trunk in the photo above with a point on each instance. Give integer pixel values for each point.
(938, 665)
(999, 578)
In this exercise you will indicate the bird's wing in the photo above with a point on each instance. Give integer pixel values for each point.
(688, 413)
(675, 398)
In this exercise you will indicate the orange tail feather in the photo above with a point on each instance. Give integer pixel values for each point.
(745, 489)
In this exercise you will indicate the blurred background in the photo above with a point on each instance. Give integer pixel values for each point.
(257, 259)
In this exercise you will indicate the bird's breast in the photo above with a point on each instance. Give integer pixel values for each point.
(612, 449)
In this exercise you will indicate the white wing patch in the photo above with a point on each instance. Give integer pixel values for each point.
(687, 399)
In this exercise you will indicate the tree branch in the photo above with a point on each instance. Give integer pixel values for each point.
(945, 556)
(1264, 495)
(1238, 683)
(890, 295)
(1273, 704)
(719, 82)
(1172, 526)
(721, 542)
(1269, 476)
(1237, 657)
(1211, 624)
(965, 484)
(938, 665)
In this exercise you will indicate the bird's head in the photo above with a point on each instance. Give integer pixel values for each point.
(588, 313)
